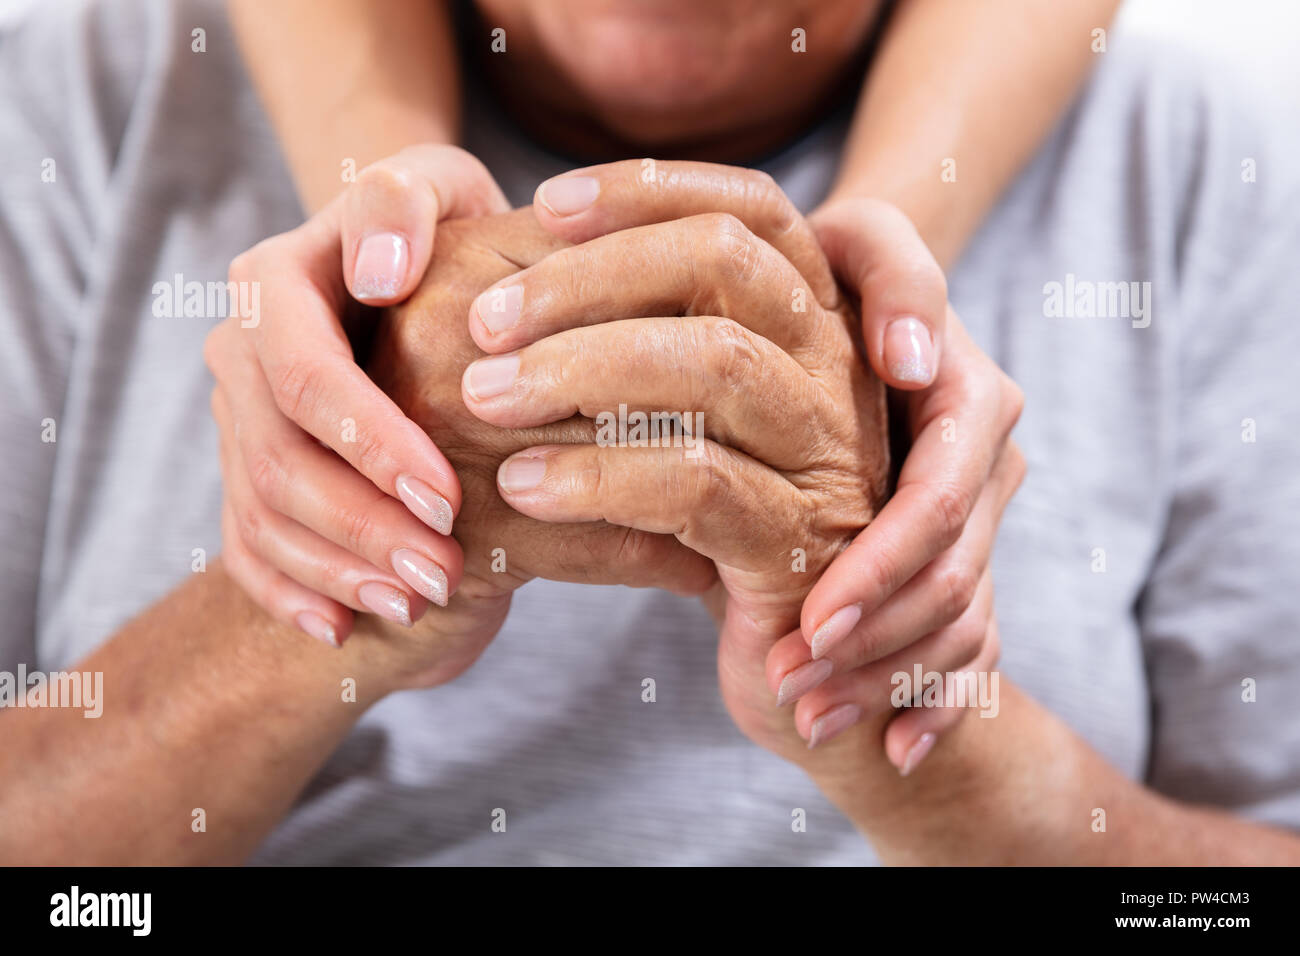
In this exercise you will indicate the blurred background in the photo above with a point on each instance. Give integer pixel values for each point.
(1261, 36)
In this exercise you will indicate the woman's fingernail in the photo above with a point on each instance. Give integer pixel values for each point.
(833, 723)
(498, 309)
(422, 574)
(425, 503)
(317, 627)
(521, 474)
(388, 602)
(381, 266)
(909, 351)
(834, 628)
(490, 377)
(802, 679)
(917, 753)
(568, 195)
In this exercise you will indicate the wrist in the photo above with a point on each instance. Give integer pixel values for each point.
(923, 817)
(270, 658)
(384, 658)
(1014, 789)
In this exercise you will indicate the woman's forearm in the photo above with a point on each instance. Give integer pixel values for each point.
(348, 82)
(957, 99)
(1022, 788)
(213, 719)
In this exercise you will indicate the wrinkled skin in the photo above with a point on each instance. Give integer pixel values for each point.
(834, 476)
(419, 355)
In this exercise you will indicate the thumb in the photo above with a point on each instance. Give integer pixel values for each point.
(390, 213)
(876, 251)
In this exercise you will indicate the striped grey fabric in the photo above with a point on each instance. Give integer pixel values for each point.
(1136, 438)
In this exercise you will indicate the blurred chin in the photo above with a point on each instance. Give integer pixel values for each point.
(647, 65)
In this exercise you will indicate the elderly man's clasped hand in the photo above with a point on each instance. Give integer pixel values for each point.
(652, 378)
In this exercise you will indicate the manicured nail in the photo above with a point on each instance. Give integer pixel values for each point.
(490, 377)
(498, 309)
(802, 679)
(834, 628)
(317, 627)
(568, 195)
(909, 351)
(833, 723)
(422, 574)
(388, 602)
(521, 474)
(425, 503)
(381, 266)
(917, 753)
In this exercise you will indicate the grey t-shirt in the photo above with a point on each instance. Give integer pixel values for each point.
(1147, 573)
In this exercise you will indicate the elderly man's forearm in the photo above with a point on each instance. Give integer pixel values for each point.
(214, 717)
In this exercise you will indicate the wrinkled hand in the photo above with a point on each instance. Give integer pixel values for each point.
(333, 498)
(420, 354)
(697, 314)
(915, 583)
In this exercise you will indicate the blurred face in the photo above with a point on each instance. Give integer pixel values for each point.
(709, 78)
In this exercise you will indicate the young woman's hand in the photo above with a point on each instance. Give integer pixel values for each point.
(920, 571)
(334, 499)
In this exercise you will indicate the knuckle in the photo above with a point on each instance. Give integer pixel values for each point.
(266, 474)
(371, 454)
(731, 354)
(761, 183)
(951, 506)
(590, 481)
(883, 574)
(295, 383)
(628, 547)
(333, 575)
(956, 584)
(357, 528)
(638, 551)
(711, 492)
(248, 525)
(861, 645)
(731, 249)
(772, 207)
(585, 275)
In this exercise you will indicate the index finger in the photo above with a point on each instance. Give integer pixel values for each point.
(598, 200)
(308, 362)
